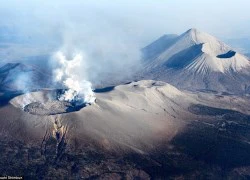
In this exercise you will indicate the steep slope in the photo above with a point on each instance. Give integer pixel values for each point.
(198, 61)
(21, 77)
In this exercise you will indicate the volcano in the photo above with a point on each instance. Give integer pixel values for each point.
(197, 61)
(46, 102)
(147, 129)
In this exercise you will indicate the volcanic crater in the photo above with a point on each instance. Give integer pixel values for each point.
(46, 102)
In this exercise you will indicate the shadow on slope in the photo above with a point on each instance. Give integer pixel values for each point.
(185, 57)
(229, 54)
(7, 96)
(103, 90)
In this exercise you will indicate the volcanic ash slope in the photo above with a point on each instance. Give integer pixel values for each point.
(136, 116)
(197, 61)
(141, 129)
(133, 116)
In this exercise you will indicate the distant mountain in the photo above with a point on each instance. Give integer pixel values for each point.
(21, 77)
(197, 61)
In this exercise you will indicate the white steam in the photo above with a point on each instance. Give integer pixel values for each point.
(69, 72)
(111, 40)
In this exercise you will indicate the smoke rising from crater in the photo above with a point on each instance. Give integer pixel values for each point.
(108, 42)
(110, 55)
(71, 73)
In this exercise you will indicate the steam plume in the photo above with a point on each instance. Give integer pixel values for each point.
(69, 73)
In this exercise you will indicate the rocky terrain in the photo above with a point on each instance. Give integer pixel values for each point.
(45, 102)
(144, 130)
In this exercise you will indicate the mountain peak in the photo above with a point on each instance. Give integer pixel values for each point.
(192, 31)
(213, 46)
(198, 36)
(206, 61)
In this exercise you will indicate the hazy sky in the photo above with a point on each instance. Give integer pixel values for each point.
(108, 33)
(143, 20)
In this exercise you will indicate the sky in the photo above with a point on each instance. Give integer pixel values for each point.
(142, 20)
(109, 34)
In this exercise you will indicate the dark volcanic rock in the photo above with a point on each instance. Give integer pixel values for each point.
(51, 107)
(46, 102)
